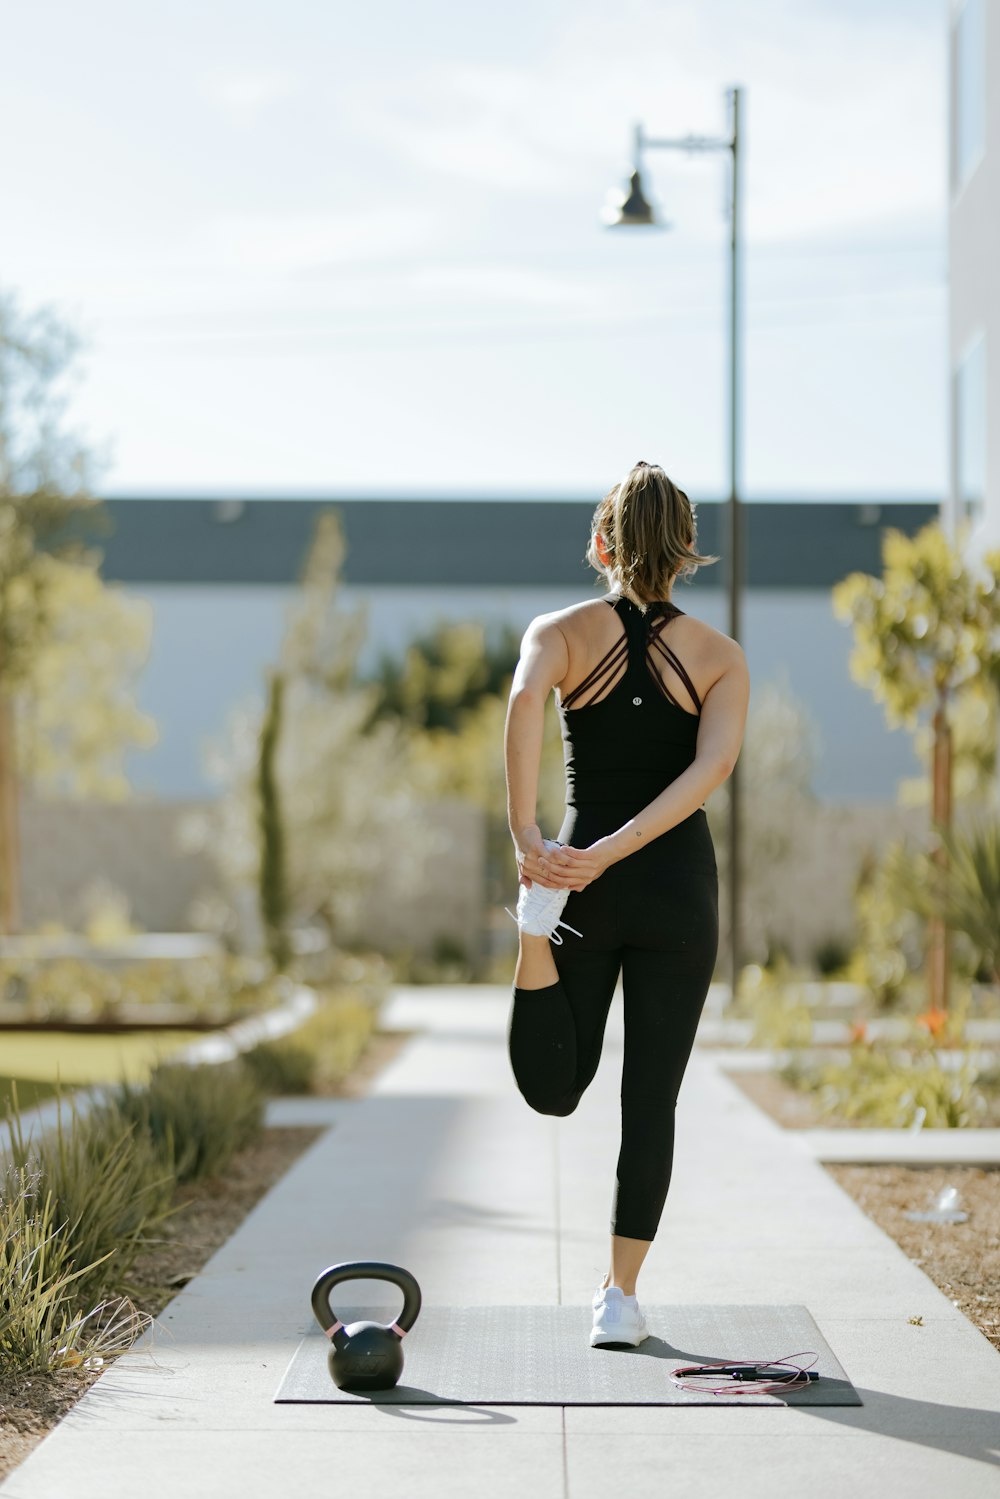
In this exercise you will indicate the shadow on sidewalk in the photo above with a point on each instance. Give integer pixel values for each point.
(957, 1429)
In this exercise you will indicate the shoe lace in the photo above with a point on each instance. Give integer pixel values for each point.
(553, 935)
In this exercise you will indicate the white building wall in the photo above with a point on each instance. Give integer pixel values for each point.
(210, 647)
(974, 254)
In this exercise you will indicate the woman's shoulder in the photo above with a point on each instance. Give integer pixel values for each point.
(711, 643)
(706, 632)
(570, 616)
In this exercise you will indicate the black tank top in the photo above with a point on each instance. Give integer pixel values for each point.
(627, 745)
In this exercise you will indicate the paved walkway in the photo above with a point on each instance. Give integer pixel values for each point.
(445, 1170)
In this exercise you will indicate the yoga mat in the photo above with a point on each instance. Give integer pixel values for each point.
(540, 1355)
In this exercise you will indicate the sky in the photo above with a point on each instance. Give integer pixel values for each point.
(317, 248)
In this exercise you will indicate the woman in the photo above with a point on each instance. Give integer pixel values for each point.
(652, 704)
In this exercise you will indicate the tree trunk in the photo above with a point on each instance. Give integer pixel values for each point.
(10, 838)
(273, 879)
(938, 935)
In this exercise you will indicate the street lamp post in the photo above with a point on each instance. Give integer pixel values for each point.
(635, 209)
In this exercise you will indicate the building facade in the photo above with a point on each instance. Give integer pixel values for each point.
(219, 576)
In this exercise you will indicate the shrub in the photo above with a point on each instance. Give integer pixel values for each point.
(781, 1018)
(281, 1067)
(34, 1273)
(884, 1089)
(321, 1053)
(78, 1201)
(41, 1324)
(832, 955)
(336, 1035)
(107, 1184)
(966, 891)
(214, 989)
(890, 936)
(197, 1117)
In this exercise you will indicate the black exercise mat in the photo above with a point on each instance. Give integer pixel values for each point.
(540, 1355)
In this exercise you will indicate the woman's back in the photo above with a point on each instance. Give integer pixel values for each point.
(629, 708)
(598, 627)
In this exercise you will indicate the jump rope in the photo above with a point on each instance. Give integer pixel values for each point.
(749, 1377)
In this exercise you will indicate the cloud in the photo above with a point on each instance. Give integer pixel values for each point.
(242, 94)
(844, 124)
(501, 285)
(308, 242)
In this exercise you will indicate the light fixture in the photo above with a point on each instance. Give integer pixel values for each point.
(631, 207)
(634, 208)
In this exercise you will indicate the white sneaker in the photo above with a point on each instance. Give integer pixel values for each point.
(539, 909)
(618, 1320)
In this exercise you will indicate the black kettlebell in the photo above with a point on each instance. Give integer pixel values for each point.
(365, 1355)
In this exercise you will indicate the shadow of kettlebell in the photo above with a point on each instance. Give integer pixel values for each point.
(365, 1355)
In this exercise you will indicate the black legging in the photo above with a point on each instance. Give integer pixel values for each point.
(654, 918)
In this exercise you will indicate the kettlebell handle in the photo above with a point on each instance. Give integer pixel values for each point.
(365, 1270)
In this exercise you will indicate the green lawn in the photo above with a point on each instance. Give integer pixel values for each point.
(43, 1059)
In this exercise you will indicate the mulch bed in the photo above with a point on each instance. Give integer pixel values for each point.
(962, 1259)
(212, 1211)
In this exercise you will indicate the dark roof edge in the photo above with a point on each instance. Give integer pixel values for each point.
(324, 497)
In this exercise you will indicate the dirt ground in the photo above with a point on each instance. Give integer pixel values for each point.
(962, 1259)
(211, 1213)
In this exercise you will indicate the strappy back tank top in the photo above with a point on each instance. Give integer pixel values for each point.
(625, 735)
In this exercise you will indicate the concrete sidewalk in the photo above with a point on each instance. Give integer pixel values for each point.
(445, 1170)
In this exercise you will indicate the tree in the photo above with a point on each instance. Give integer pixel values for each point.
(273, 873)
(67, 643)
(316, 788)
(778, 762)
(451, 689)
(974, 722)
(966, 889)
(926, 631)
(445, 673)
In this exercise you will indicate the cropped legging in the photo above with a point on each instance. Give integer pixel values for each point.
(653, 919)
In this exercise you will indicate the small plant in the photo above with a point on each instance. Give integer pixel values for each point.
(889, 934)
(832, 956)
(107, 1184)
(34, 1274)
(336, 1035)
(107, 917)
(966, 888)
(781, 1018)
(196, 1117)
(886, 1087)
(42, 1326)
(77, 1203)
(213, 988)
(281, 1067)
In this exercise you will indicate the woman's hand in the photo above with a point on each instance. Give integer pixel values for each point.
(576, 868)
(531, 855)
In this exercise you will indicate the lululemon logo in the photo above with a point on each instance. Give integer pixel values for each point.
(637, 701)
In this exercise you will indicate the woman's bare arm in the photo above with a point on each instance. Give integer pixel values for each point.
(544, 661)
(720, 735)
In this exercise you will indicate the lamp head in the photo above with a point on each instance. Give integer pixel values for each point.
(631, 207)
